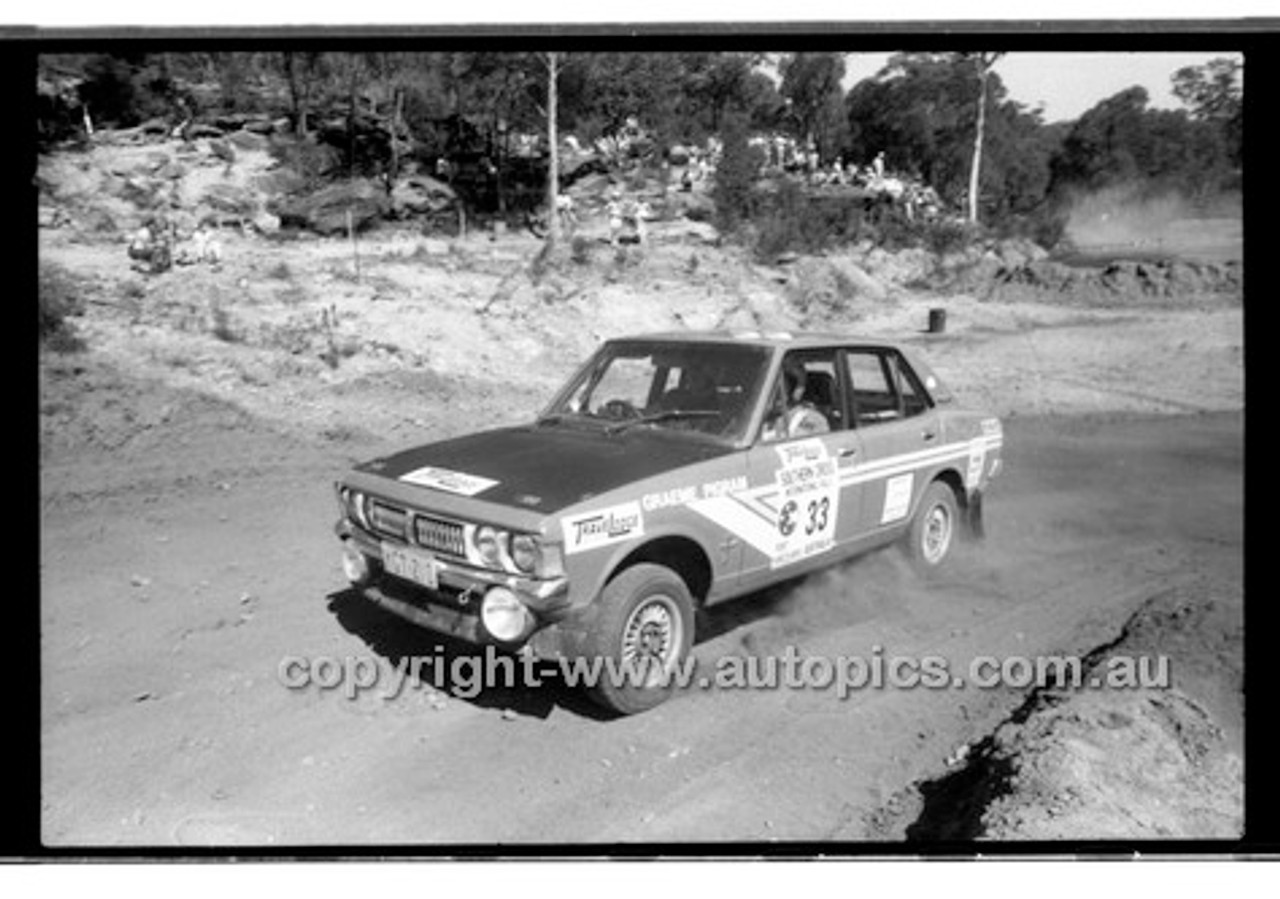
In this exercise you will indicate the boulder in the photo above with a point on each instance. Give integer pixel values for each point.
(248, 140)
(201, 130)
(856, 281)
(266, 223)
(172, 171)
(222, 150)
(326, 211)
(422, 194)
(231, 199)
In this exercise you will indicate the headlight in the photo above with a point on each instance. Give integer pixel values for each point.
(524, 552)
(358, 509)
(504, 616)
(352, 504)
(489, 545)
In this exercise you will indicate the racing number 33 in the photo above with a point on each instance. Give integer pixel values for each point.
(808, 492)
(818, 511)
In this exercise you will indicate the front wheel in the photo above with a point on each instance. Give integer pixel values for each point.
(643, 631)
(933, 530)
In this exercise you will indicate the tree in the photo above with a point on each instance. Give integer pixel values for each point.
(553, 141)
(735, 175)
(984, 63)
(811, 83)
(1212, 93)
(1121, 142)
(300, 72)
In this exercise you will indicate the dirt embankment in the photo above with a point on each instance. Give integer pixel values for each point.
(215, 402)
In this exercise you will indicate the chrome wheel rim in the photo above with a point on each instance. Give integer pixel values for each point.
(651, 638)
(936, 538)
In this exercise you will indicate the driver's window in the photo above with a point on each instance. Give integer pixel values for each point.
(805, 399)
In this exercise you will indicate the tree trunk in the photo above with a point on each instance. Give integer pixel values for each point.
(396, 114)
(985, 61)
(553, 139)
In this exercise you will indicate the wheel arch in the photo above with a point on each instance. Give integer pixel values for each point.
(683, 555)
(970, 508)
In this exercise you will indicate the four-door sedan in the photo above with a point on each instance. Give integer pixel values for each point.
(671, 472)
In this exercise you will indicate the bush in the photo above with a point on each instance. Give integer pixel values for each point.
(58, 298)
(946, 236)
(735, 177)
(790, 219)
(580, 250)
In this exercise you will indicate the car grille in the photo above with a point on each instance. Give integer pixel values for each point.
(440, 535)
(388, 520)
(436, 534)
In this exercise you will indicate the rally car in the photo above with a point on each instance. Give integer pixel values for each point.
(671, 472)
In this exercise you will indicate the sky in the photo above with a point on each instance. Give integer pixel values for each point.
(1069, 83)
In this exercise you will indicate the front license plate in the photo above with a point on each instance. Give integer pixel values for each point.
(411, 565)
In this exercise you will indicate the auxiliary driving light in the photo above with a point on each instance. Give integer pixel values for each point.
(355, 565)
(504, 616)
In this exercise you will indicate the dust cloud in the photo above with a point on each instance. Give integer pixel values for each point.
(1126, 217)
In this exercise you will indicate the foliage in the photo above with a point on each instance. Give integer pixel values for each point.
(1121, 142)
(59, 298)
(920, 110)
(1212, 94)
(811, 83)
(735, 176)
(361, 113)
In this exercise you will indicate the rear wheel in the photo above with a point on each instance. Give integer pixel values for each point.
(642, 632)
(933, 530)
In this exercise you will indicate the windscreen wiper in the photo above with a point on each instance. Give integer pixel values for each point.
(656, 417)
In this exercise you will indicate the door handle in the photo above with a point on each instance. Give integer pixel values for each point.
(847, 452)
(929, 435)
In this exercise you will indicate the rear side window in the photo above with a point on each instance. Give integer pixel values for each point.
(884, 387)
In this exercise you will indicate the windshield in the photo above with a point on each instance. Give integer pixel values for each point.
(704, 388)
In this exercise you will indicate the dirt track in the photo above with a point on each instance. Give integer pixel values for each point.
(170, 599)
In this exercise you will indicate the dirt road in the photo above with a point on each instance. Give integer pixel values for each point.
(176, 578)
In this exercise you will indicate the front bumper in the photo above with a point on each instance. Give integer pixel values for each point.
(454, 609)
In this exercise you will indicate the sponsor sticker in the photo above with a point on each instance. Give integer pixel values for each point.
(684, 496)
(449, 481)
(809, 497)
(602, 527)
(897, 497)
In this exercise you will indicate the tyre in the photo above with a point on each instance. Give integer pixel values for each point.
(933, 530)
(643, 630)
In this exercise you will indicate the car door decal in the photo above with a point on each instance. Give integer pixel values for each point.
(806, 476)
(897, 497)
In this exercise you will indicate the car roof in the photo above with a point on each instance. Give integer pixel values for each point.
(763, 337)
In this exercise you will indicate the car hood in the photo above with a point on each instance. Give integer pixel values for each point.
(541, 468)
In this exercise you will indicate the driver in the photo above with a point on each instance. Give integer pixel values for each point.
(797, 416)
